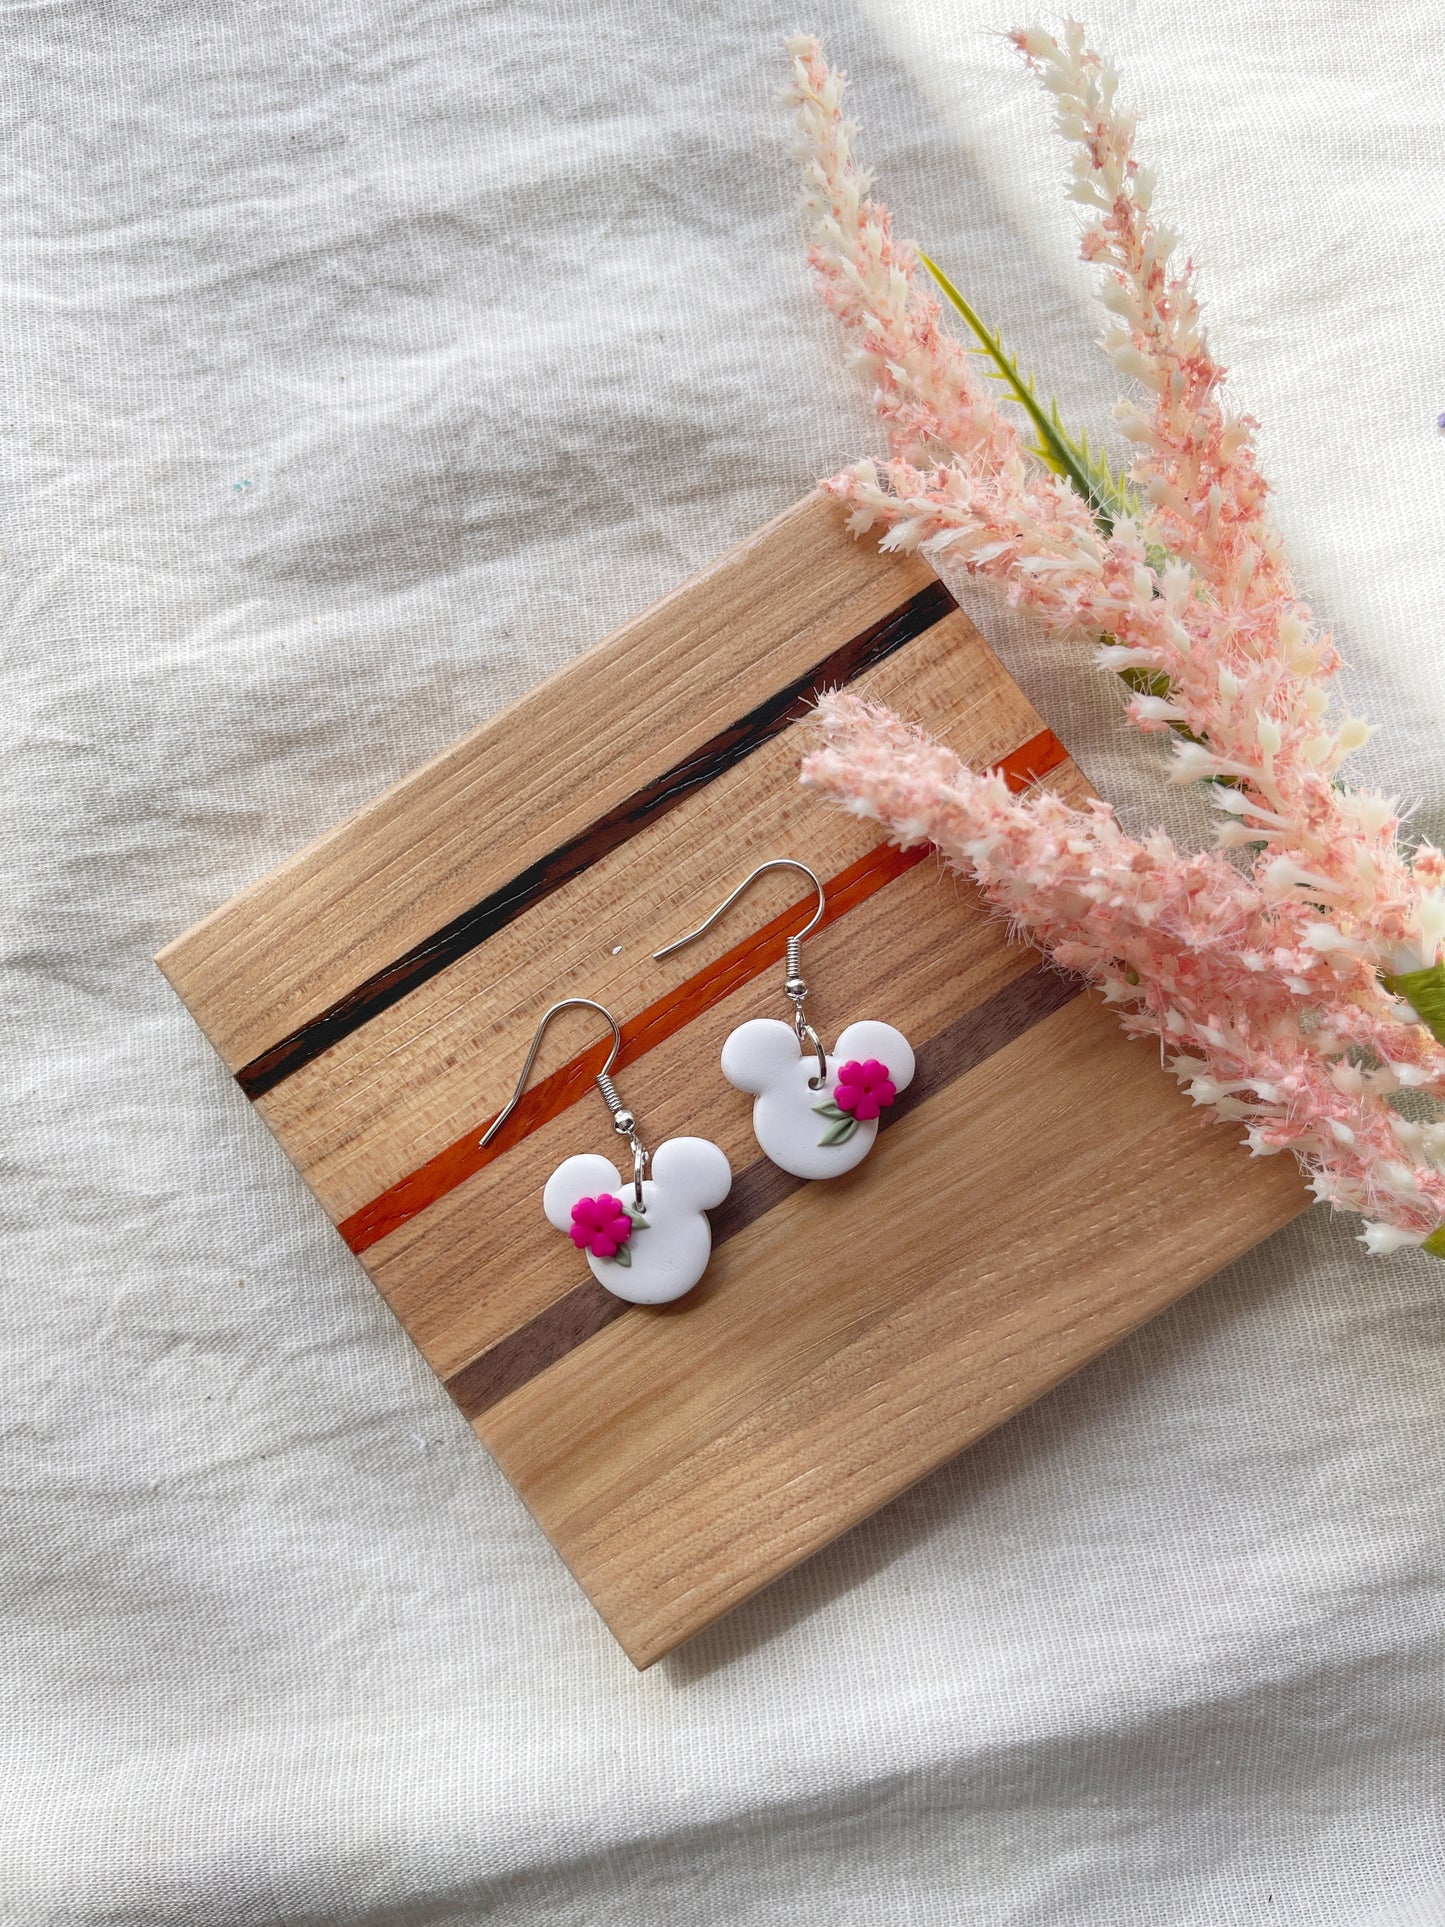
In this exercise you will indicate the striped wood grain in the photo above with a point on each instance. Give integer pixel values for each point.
(1038, 1192)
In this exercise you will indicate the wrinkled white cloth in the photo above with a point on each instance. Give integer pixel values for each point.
(364, 362)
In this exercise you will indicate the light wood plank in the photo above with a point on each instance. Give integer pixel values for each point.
(479, 1262)
(380, 1103)
(1037, 1202)
(799, 1395)
(530, 777)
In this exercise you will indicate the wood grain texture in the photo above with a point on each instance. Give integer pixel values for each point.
(1038, 1192)
(428, 1269)
(1055, 1199)
(962, 1045)
(529, 780)
(358, 1127)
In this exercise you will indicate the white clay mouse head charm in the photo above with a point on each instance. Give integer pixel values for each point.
(816, 1113)
(647, 1241)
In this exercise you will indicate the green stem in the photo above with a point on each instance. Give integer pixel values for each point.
(1055, 448)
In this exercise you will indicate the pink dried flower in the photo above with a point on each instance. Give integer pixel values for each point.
(1262, 1011)
(864, 1089)
(1293, 972)
(600, 1225)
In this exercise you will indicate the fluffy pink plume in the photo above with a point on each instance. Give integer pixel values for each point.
(1263, 966)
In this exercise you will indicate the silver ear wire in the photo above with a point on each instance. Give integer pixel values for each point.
(623, 1122)
(625, 1125)
(795, 988)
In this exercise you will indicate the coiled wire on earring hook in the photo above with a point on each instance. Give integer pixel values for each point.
(795, 987)
(623, 1122)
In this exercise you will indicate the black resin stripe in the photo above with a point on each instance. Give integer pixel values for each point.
(494, 912)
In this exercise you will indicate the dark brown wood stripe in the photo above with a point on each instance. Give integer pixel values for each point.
(663, 1018)
(957, 1049)
(729, 747)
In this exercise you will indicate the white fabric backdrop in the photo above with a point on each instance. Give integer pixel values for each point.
(366, 361)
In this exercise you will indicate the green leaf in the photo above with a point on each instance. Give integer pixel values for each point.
(1089, 473)
(830, 1110)
(622, 1256)
(840, 1132)
(1424, 991)
(1146, 682)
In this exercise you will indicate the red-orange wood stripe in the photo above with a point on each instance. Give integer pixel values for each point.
(671, 1012)
(660, 1020)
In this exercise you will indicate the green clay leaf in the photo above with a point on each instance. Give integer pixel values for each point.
(622, 1256)
(830, 1110)
(839, 1133)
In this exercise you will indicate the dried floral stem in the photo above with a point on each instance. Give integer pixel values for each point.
(1276, 969)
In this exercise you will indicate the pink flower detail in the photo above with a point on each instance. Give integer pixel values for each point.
(864, 1089)
(600, 1225)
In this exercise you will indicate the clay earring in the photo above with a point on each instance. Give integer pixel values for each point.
(649, 1243)
(815, 1113)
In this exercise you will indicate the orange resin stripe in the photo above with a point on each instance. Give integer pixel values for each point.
(1026, 765)
(563, 1087)
(671, 1012)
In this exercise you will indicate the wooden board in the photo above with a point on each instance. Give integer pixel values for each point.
(1041, 1188)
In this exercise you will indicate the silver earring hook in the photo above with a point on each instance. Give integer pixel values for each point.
(623, 1122)
(794, 988)
(774, 863)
